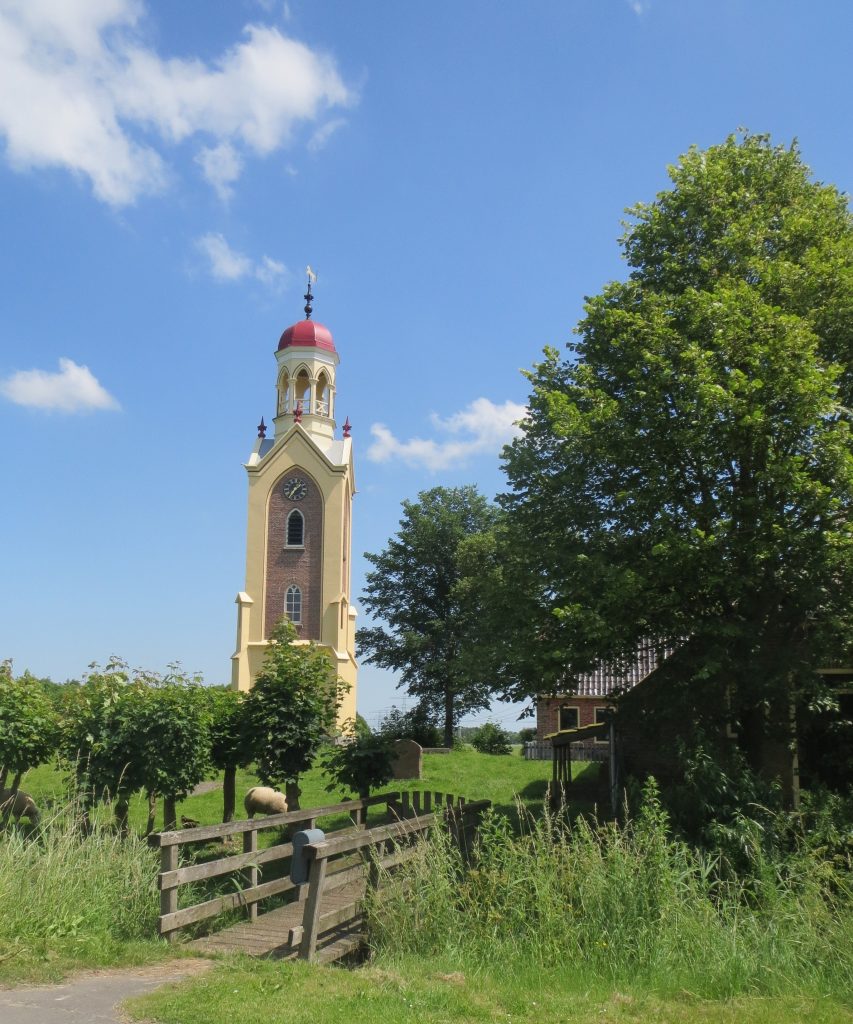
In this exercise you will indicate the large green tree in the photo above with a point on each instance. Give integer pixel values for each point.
(417, 590)
(686, 473)
(291, 709)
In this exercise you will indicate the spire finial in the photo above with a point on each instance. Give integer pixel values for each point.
(347, 428)
(309, 298)
(262, 428)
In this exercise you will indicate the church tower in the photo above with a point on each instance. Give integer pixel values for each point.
(301, 487)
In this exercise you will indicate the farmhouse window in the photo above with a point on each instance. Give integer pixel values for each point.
(568, 717)
(601, 715)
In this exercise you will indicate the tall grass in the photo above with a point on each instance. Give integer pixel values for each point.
(619, 904)
(70, 897)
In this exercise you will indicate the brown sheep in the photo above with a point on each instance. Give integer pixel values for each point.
(23, 806)
(264, 800)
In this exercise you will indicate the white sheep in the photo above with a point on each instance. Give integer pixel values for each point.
(264, 800)
(22, 806)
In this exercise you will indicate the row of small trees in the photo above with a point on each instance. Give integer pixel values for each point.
(122, 731)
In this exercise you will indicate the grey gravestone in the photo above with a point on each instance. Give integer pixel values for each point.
(408, 760)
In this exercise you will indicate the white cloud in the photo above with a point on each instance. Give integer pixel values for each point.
(639, 7)
(79, 90)
(73, 389)
(221, 166)
(227, 264)
(481, 428)
(322, 135)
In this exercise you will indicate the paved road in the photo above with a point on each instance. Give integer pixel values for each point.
(90, 997)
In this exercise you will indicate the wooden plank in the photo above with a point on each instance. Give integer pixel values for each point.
(213, 868)
(189, 915)
(333, 847)
(349, 844)
(205, 832)
(345, 877)
(340, 948)
(250, 849)
(169, 895)
(316, 878)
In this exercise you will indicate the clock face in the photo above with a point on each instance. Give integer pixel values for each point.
(295, 488)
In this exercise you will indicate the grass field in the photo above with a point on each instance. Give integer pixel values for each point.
(479, 969)
(94, 903)
(432, 992)
(500, 779)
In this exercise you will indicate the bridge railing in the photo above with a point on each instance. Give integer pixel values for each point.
(381, 848)
(172, 876)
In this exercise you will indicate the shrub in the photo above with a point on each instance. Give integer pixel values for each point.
(624, 904)
(418, 724)
(362, 764)
(491, 739)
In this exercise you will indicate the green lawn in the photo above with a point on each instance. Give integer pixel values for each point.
(242, 992)
(500, 779)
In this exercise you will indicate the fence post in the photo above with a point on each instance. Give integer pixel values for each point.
(169, 897)
(250, 845)
(310, 919)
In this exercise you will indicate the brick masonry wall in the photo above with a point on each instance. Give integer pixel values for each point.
(548, 712)
(289, 566)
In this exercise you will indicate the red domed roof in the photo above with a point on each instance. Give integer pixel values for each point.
(309, 334)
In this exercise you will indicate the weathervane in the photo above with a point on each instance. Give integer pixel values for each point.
(312, 278)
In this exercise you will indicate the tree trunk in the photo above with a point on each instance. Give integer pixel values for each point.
(229, 792)
(122, 808)
(152, 813)
(3, 774)
(292, 792)
(10, 803)
(170, 816)
(448, 718)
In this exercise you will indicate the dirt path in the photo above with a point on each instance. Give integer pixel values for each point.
(93, 996)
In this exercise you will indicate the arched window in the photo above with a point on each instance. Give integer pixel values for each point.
(303, 392)
(284, 394)
(293, 604)
(322, 404)
(295, 529)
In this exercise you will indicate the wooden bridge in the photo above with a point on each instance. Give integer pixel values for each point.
(322, 919)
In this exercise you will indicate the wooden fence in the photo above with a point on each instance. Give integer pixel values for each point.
(407, 814)
(542, 750)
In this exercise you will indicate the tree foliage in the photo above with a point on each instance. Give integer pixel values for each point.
(418, 724)
(686, 471)
(490, 738)
(291, 709)
(229, 744)
(124, 731)
(28, 725)
(362, 764)
(416, 590)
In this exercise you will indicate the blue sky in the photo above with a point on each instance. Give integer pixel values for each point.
(456, 174)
